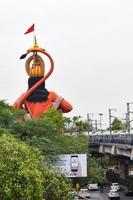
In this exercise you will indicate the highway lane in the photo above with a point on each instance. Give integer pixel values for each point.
(104, 195)
(121, 193)
(97, 195)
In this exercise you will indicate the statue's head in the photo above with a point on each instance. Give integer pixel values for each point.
(35, 66)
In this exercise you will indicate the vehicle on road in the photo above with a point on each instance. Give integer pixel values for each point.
(101, 188)
(76, 198)
(113, 194)
(115, 186)
(129, 192)
(93, 186)
(83, 194)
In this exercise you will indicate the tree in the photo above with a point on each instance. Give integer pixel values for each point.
(25, 176)
(46, 134)
(21, 176)
(104, 161)
(96, 172)
(49, 139)
(57, 187)
(76, 125)
(8, 115)
(118, 125)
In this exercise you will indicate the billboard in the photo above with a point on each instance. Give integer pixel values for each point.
(72, 165)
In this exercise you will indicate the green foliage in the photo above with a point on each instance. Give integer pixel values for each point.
(24, 176)
(49, 124)
(76, 125)
(118, 125)
(8, 115)
(104, 161)
(21, 168)
(57, 187)
(20, 171)
(96, 172)
(46, 134)
(48, 137)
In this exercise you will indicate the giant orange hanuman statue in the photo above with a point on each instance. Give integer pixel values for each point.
(37, 99)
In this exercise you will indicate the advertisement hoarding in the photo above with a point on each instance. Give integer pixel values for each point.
(72, 165)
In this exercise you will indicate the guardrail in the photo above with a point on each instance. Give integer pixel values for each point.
(111, 138)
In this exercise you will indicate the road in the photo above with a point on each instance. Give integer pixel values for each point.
(96, 195)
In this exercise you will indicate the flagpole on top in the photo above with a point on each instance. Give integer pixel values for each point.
(35, 39)
(35, 46)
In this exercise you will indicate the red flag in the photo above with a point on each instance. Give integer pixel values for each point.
(31, 29)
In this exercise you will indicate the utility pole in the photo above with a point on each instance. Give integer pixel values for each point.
(128, 117)
(96, 125)
(110, 126)
(89, 120)
(100, 114)
(88, 117)
(110, 121)
(125, 119)
(90, 126)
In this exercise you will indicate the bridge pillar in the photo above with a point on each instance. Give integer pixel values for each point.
(123, 165)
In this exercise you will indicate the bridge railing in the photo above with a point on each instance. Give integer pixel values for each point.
(116, 138)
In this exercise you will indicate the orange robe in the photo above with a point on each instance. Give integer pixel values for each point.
(35, 109)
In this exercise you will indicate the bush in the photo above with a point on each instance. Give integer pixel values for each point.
(24, 175)
(20, 174)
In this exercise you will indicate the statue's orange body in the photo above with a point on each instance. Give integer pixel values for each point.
(33, 104)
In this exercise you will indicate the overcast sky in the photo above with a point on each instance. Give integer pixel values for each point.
(91, 42)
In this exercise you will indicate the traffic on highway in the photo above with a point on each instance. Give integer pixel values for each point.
(112, 192)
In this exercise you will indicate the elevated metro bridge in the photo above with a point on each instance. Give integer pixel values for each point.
(118, 145)
(115, 143)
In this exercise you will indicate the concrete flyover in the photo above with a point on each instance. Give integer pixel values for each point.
(116, 144)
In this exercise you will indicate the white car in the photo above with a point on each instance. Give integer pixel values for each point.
(93, 186)
(115, 186)
(113, 194)
(76, 198)
(83, 193)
